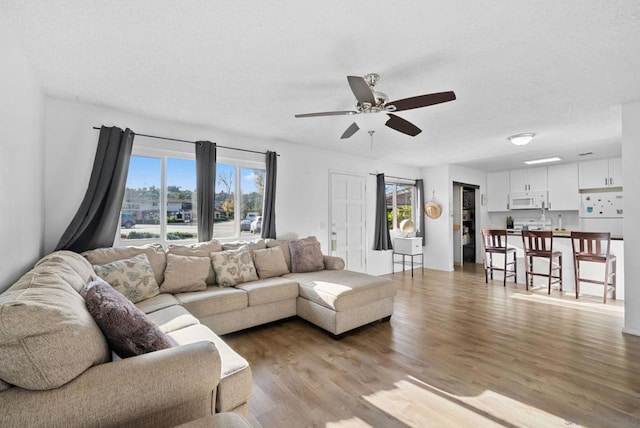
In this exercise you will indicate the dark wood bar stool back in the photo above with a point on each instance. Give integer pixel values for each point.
(495, 242)
(594, 247)
(538, 243)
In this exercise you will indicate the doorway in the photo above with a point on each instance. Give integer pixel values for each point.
(347, 219)
(464, 223)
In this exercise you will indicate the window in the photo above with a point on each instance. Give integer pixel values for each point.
(159, 178)
(400, 203)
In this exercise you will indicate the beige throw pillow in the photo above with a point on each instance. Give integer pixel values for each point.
(270, 262)
(131, 277)
(234, 267)
(201, 249)
(185, 273)
(284, 246)
(306, 256)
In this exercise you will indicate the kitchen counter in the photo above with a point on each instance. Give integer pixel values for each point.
(563, 233)
(563, 244)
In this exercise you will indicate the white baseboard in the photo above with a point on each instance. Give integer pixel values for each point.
(634, 331)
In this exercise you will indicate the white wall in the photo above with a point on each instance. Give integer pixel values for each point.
(438, 252)
(630, 156)
(303, 173)
(21, 160)
(439, 242)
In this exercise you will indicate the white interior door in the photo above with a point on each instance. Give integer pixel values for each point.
(347, 209)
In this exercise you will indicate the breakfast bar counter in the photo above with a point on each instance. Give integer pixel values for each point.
(562, 242)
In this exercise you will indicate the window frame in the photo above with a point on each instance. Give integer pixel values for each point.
(162, 154)
(394, 204)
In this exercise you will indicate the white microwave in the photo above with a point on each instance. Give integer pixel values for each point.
(527, 200)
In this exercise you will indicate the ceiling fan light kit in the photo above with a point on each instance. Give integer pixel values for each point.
(521, 139)
(370, 101)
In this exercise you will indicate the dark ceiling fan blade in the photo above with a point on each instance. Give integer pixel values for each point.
(352, 129)
(328, 113)
(361, 90)
(423, 100)
(401, 125)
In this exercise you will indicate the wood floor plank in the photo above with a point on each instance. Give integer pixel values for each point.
(457, 352)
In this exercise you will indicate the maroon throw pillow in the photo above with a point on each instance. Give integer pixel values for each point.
(128, 330)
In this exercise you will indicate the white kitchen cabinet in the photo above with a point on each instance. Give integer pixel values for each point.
(600, 173)
(563, 187)
(498, 191)
(528, 179)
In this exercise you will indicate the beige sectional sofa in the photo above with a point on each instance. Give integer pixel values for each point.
(57, 368)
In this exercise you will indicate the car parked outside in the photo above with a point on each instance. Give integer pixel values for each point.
(245, 225)
(256, 225)
(127, 220)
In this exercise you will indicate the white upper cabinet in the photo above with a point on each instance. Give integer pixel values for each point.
(498, 191)
(600, 173)
(563, 187)
(528, 179)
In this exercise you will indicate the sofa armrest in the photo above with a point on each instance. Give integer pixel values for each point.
(116, 393)
(333, 262)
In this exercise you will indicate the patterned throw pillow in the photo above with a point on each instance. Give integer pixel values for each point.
(234, 267)
(127, 329)
(132, 277)
(306, 255)
(270, 262)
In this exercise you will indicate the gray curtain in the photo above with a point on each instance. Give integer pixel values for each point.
(381, 238)
(269, 212)
(205, 188)
(421, 229)
(98, 218)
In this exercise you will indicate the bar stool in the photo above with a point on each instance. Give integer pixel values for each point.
(495, 242)
(594, 247)
(539, 243)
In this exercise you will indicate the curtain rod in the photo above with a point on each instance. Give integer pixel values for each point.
(393, 176)
(194, 142)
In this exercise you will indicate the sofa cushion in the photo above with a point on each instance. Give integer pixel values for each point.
(185, 273)
(214, 300)
(258, 244)
(234, 266)
(201, 249)
(155, 253)
(284, 245)
(64, 260)
(236, 384)
(270, 262)
(127, 329)
(47, 337)
(270, 290)
(305, 256)
(341, 290)
(133, 277)
(157, 302)
(4, 385)
(172, 318)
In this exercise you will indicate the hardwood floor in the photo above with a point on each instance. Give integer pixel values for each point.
(457, 352)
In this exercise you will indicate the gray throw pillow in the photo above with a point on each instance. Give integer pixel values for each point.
(305, 256)
(128, 330)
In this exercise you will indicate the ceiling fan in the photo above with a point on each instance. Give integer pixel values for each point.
(369, 100)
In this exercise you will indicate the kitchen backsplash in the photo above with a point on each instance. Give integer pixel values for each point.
(569, 218)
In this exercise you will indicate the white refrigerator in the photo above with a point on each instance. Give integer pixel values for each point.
(602, 212)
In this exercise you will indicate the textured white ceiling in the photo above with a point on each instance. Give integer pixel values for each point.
(560, 69)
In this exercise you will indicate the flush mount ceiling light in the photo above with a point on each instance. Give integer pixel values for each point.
(522, 139)
(545, 160)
